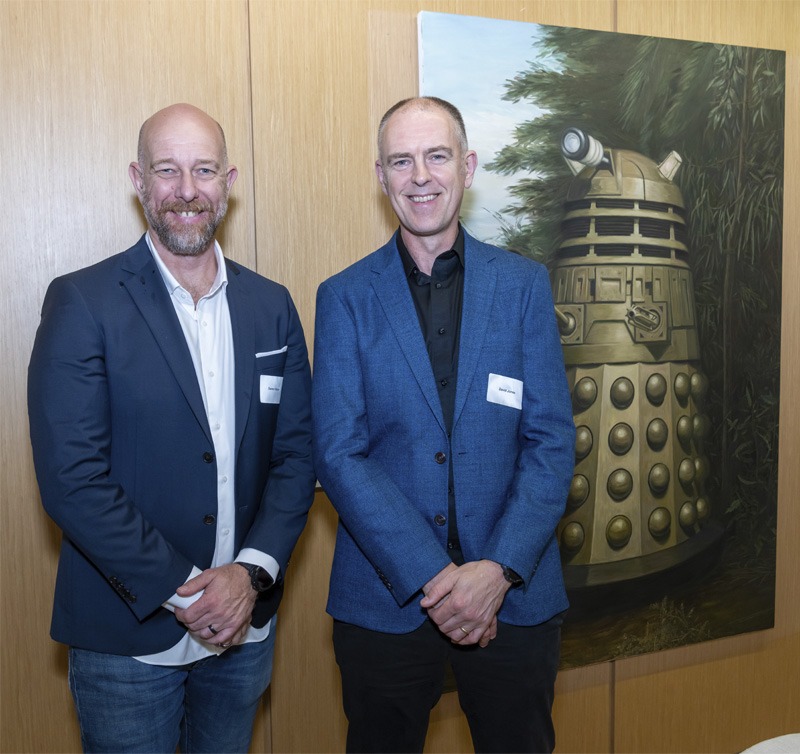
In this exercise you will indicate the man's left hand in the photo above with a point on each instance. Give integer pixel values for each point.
(475, 593)
(221, 616)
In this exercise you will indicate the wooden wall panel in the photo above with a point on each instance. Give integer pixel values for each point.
(725, 695)
(78, 78)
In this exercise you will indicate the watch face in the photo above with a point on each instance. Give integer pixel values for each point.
(261, 579)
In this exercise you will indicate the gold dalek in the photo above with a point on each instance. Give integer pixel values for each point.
(638, 508)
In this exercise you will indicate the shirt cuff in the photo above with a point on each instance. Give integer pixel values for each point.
(256, 557)
(184, 602)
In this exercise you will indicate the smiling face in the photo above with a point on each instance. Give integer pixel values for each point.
(182, 179)
(424, 170)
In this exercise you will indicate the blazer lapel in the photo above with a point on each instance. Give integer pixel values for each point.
(391, 289)
(480, 280)
(148, 292)
(244, 338)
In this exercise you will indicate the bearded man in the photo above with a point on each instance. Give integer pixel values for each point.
(169, 404)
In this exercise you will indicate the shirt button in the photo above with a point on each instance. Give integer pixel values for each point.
(208, 457)
(440, 457)
(442, 331)
(443, 383)
(438, 285)
(223, 479)
(209, 519)
(439, 519)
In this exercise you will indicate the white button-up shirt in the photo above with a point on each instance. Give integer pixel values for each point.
(207, 329)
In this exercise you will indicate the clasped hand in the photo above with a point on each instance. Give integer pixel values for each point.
(464, 601)
(226, 605)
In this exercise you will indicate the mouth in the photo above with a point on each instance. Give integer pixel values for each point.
(422, 199)
(188, 214)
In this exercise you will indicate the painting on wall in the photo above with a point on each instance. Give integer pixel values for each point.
(647, 175)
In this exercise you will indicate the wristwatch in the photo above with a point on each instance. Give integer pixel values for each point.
(511, 576)
(260, 579)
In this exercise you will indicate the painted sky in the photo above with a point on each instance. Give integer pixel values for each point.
(467, 60)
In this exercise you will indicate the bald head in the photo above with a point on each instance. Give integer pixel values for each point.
(167, 119)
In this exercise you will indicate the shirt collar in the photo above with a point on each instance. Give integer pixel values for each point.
(169, 279)
(409, 265)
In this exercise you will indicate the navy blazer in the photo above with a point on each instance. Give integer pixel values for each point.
(379, 437)
(123, 451)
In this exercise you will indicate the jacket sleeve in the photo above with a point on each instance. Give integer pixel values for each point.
(70, 427)
(388, 529)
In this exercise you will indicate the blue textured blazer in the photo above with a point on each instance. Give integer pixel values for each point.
(379, 430)
(123, 451)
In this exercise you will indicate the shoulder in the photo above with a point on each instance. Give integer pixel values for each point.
(362, 271)
(508, 262)
(95, 278)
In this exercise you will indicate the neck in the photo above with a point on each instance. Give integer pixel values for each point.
(196, 274)
(424, 249)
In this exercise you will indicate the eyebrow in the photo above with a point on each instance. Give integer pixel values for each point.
(430, 150)
(170, 160)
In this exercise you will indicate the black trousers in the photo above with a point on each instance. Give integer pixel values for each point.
(390, 683)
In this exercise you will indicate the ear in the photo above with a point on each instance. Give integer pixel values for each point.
(137, 178)
(381, 176)
(471, 165)
(231, 175)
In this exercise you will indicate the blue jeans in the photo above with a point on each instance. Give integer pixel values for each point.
(124, 705)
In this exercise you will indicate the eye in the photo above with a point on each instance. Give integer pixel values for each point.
(166, 172)
(401, 163)
(438, 157)
(206, 172)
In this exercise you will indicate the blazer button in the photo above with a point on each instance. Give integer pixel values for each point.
(440, 457)
(209, 519)
(208, 457)
(439, 519)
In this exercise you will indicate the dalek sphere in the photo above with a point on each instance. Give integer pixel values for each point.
(624, 300)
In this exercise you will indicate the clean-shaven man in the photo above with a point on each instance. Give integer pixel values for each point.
(444, 438)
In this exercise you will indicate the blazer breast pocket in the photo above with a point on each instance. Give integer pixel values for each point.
(269, 369)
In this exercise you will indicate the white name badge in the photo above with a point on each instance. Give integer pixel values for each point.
(504, 390)
(271, 387)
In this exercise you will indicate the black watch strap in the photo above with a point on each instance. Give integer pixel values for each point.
(260, 579)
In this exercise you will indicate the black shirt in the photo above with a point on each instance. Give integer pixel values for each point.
(437, 298)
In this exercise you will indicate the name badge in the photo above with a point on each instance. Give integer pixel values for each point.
(271, 387)
(504, 390)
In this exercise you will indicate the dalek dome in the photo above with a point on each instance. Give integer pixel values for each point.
(626, 175)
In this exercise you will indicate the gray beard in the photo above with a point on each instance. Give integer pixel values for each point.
(188, 242)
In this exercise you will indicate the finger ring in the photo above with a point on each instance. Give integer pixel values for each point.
(226, 645)
(461, 627)
(211, 628)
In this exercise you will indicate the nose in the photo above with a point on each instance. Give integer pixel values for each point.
(186, 188)
(420, 174)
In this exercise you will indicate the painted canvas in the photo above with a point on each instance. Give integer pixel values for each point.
(647, 174)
